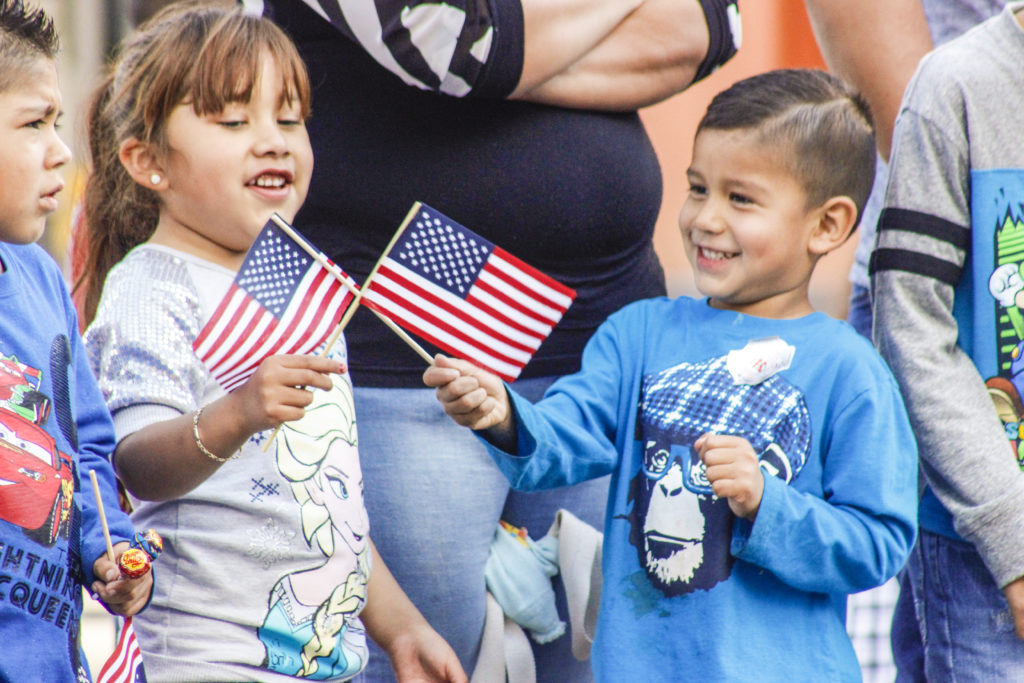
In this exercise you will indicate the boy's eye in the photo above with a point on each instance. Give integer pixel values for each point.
(289, 122)
(42, 124)
(740, 198)
(698, 190)
(231, 123)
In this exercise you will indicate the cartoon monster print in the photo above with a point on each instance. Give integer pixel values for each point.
(680, 529)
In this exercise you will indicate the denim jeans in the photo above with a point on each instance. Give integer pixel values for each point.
(951, 621)
(435, 497)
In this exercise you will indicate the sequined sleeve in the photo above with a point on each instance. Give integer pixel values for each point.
(140, 344)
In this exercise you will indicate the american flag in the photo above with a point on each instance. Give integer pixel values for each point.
(283, 300)
(125, 663)
(466, 295)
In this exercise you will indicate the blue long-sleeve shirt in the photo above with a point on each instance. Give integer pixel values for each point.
(687, 586)
(54, 430)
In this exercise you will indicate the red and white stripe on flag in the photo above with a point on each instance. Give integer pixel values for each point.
(283, 301)
(125, 663)
(465, 295)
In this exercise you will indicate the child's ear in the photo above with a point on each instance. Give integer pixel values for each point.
(837, 217)
(142, 164)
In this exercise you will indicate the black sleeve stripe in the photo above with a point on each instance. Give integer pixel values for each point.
(924, 224)
(914, 262)
(719, 16)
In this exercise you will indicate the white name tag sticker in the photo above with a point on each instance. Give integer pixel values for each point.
(759, 360)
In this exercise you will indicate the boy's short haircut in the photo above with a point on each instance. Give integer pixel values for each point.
(26, 35)
(822, 125)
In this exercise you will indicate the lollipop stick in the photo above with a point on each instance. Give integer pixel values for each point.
(103, 516)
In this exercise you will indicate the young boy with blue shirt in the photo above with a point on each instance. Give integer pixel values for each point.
(762, 463)
(54, 426)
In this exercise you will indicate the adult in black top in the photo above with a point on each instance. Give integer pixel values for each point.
(519, 122)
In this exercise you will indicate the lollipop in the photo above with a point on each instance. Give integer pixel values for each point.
(134, 563)
(138, 559)
(150, 542)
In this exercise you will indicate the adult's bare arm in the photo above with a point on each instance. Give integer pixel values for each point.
(601, 54)
(875, 45)
(652, 54)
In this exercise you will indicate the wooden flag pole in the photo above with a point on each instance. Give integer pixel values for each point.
(394, 238)
(333, 270)
(317, 256)
(103, 515)
(405, 337)
(356, 292)
(402, 334)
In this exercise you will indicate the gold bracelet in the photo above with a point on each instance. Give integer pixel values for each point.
(199, 442)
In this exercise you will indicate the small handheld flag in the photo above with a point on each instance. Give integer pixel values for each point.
(464, 294)
(283, 300)
(125, 663)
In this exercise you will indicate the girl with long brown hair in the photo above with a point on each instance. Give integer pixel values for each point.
(197, 137)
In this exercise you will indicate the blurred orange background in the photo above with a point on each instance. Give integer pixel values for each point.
(776, 34)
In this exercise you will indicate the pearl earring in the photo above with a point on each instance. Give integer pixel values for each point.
(155, 178)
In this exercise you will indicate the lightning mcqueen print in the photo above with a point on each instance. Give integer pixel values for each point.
(36, 480)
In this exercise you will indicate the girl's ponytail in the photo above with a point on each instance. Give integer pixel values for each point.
(118, 213)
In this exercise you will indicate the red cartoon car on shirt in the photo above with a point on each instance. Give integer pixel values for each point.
(36, 480)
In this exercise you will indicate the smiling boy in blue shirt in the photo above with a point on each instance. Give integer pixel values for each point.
(762, 463)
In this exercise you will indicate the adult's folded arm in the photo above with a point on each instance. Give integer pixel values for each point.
(626, 54)
(593, 54)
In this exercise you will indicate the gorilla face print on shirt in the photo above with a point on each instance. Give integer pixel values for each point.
(680, 529)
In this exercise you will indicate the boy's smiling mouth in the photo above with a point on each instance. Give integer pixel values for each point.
(714, 254)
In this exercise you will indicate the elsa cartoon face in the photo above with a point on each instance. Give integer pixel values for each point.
(319, 455)
(338, 487)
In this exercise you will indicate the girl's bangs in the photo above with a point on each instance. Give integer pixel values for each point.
(229, 62)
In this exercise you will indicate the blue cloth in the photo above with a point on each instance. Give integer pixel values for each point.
(948, 597)
(687, 587)
(518, 575)
(434, 499)
(53, 423)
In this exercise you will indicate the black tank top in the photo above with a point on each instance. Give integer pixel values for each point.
(573, 193)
